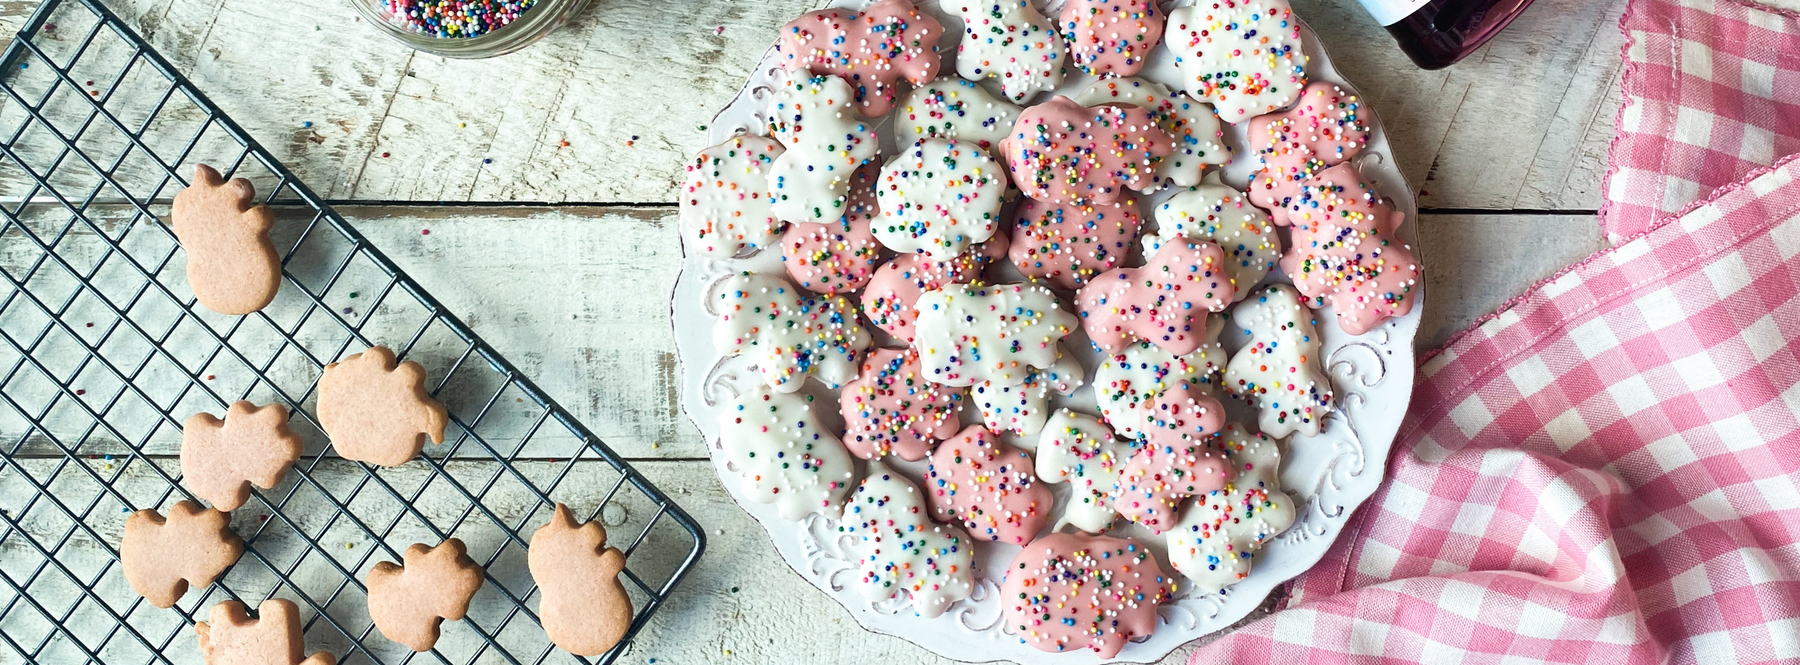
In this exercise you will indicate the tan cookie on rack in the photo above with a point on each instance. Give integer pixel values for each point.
(162, 556)
(221, 458)
(273, 638)
(408, 602)
(376, 411)
(231, 265)
(584, 608)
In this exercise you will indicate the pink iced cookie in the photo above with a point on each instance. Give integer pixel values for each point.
(1061, 151)
(837, 256)
(1347, 253)
(872, 49)
(1111, 37)
(897, 284)
(891, 409)
(1324, 129)
(1158, 478)
(1069, 243)
(1164, 303)
(988, 486)
(1065, 592)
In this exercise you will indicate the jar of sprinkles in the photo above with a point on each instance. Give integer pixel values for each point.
(467, 28)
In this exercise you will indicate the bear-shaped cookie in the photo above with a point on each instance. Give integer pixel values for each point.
(221, 458)
(826, 143)
(232, 267)
(1009, 41)
(407, 602)
(782, 454)
(377, 411)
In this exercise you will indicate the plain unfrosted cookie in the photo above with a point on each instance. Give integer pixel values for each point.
(376, 411)
(1278, 367)
(1193, 125)
(968, 334)
(1111, 37)
(898, 549)
(890, 296)
(231, 264)
(408, 602)
(1062, 152)
(989, 487)
(840, 255)
(162, 557)
(274, 637)
(1010, 42)
(891, 409)
(1069, 243)
(725, 202)
(1242, 56)
(826, 143)
(583, 607)
(885, 43)
(1066, 592)
(782, 455)
(1218, 536)
(950, 108)
(1165, 302)
(221, 458)
(1079, 449)
(939, 197)
(789, 333)
(1218, 213)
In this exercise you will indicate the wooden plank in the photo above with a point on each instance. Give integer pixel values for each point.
(1475, 263)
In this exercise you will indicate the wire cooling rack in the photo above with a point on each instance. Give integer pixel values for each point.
(106, 353)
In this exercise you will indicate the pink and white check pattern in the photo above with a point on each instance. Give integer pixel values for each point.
(1606, 471)
(1712, 92)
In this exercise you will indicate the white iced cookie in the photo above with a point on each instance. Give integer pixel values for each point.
(725, 203)
(939, 197)
(951, 108)
(898, 549)
(1278, 368)
(1242, 56)
(1193, 125)
(826, 141)
(1218, 535)
(782, 455)
(1080, 450)
(1023, 408)
(1127, 384)
(967, 334)
(1009, 41)
(790, 334)
(1225, 216)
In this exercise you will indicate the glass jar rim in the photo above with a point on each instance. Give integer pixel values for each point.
(532, 24)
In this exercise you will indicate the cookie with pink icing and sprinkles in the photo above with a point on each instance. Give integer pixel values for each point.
(788, 333)
(988, 487)
(1061, 151)
(938, 198)
(841, 255)
(874, 49)
(1326, 128)
(889, 297)
(891, 409)
(1010, 42)
(1193, 125)
(1242, 56)
(1347, 253)
(1067, 592)
(1111, 37)
(1165, 302)
(1216, 212)
(1069, 243)
(1158, 477)
(725, 202)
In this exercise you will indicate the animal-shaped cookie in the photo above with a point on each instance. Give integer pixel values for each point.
(1278, 367)
(1069, 243)
(951, 108)
(1242, 56)
(584, 608)
(840, 255)
(968, 334)
(376, 411)
(898, 549)
(1223, 215)
(1193, 125)
(1132, 387)
(1349, 255)
(1158, 477)
(1066, 592)
(1111, 37)
(1080, 450)
(1326, 128)
(221, 458)
(890, 296)
(782, 454)
(161, 556)
(1008, 41)
(408, 602)
(939, 197)
(987, 486)
(1165, 302)
(1022, 409)
(1061, 151)
(889, 41)
(891, 409)
(1217, 538)
(231, 264)
(725, 203)
(826, 143)
(274, 637)
(789, 333)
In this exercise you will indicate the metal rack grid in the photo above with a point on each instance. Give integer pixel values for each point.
(106, 353)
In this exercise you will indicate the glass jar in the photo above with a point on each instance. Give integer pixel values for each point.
(531, 25)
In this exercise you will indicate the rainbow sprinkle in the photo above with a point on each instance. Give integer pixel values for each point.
(457, 18)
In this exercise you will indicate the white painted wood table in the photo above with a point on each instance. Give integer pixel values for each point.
(547, 180)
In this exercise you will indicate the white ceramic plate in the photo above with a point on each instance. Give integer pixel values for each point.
(1328, 475)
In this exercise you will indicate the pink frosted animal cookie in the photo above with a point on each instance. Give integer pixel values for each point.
(888, 300)
(1242, 56)
(1111, 37)
(1065, 592)
(1349, 255)
(1278, 367)
(899, 550)
(987, 486)
(1218, 535)
(1326, 128)
(873, 49)
(837, 256)
(938, 198)
(891, 409)
(1061, 151)
(1165, 302)
(788, 333)
(1193, 125)
(1008, 40)
(725, 203)
(1000, 333)
(1159, 477)
(1069, 243)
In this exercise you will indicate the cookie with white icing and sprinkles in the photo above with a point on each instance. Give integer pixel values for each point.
(1242, 56)
(899, 550)
(939, 197)
(782, 454)
(1010, 42)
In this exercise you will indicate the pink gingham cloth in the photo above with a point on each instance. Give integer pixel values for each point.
(1605, 471)
(1711, 92)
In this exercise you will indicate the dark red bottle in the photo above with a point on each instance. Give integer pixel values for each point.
(1437, 33)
